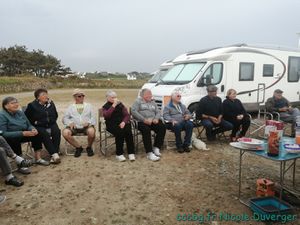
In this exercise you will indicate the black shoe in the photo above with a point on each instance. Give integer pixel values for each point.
(25, 163)
(15, 182)
(24, 170)
(78, 152)
(180, 150)
(186, 149)
(90, 151)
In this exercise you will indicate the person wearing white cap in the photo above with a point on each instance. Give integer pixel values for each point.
(280, 104)
(79, 118)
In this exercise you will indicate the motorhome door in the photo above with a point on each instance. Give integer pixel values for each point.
(213, 75)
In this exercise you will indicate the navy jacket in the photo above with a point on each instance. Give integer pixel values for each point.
(41, 115)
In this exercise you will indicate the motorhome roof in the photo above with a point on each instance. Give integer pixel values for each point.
(272, 47)
(221, 53)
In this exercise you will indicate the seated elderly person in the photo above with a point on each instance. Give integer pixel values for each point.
(79, 118)
(117, 120)
(280, 104)
(148, 115)
(42, 113)
(6, 151)
(210, 112)
(17, 129)
(177, 118)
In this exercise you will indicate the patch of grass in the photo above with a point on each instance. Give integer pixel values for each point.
(30, 83)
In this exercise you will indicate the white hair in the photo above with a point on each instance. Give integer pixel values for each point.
(111, 93)
(174, 93)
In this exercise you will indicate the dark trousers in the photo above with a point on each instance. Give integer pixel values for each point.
(50, 137)
(160, 131)
(15, 143)
(212, 129)
(245, 123)
(4, 163)
(122, 135)
(185, 125)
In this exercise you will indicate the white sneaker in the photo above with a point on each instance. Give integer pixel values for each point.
(131, 157)
(152, 157)
(121, 158)
(156, 151)
(55, 159)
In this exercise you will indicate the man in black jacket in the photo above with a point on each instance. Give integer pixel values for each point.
(211, 114)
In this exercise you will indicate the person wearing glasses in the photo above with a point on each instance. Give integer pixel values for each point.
(148, 115)
(43, 115)
(177, 118)
(79, 118)
(117, 120)
(210, 111)
(17, 129)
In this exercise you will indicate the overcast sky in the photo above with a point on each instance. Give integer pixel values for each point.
(128, 35)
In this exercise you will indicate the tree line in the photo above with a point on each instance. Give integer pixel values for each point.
(18, 60)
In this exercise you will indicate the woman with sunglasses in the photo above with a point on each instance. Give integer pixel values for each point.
(177, 118)
(42, 113)
(79, 118)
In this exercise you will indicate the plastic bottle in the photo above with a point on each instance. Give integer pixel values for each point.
(297, 131)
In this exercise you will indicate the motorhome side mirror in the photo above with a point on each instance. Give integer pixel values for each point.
(201, 82)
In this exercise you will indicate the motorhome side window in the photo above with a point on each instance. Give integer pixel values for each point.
(294, 69)
(246, 71)
(268, 70)
(212, 75)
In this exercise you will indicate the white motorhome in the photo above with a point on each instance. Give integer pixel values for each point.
(159, 74)
(255, 72)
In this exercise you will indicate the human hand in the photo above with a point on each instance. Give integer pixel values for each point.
(116, 102)
(213, 119)
(122, 125)
(290, 108)
(148, 121)
(72, 126)
(155, 121)
(174, 123)
(34, 131)
(187, 117)
(86, 124)
(28, 134)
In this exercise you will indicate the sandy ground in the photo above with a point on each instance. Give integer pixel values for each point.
(99, 190)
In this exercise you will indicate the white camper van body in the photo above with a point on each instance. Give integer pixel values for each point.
(158, 75)
(255, 72)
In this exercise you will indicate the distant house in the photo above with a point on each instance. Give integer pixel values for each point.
(131, 77)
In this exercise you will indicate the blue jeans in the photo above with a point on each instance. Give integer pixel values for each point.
(185, 125)
(212, 129)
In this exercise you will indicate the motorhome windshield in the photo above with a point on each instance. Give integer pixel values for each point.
(159, 75)
(182, 73)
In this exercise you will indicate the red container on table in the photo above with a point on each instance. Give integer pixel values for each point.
(274, 125)
(273, 143)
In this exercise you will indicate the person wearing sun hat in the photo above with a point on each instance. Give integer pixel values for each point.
(79, 118)
(280, 104)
